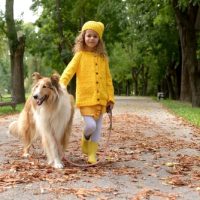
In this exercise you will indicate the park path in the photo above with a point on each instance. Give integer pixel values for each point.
(153, 155)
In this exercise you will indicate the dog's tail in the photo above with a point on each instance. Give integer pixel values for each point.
(13, 129)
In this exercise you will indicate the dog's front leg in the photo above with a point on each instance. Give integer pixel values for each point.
(52, 150)
(57, 154)
(47, 150)
(26, 151)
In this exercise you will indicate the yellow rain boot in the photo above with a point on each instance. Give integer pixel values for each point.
(92, 149)
(84, 145)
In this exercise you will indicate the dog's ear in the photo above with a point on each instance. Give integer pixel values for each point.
(35, 77)
(55, 80)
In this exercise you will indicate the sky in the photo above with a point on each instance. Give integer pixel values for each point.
(21, 6)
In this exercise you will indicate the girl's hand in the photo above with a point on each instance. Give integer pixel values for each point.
(109, 106)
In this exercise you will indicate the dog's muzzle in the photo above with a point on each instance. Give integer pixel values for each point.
(40, 100)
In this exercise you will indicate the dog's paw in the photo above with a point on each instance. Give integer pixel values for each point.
(58, 165)
(26, 155)
(50, 162)
(9, 135)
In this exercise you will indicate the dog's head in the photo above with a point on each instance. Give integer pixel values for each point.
(45, 88)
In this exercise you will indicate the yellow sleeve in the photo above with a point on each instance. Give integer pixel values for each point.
(110, 88)
(70, 70)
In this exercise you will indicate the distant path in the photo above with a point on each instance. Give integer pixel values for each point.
(153, 155)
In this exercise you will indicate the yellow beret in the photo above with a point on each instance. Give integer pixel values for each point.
(95, 26)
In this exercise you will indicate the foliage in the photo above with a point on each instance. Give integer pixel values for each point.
(183, 4)
(120, 63)
(137, 33)
(5, 86)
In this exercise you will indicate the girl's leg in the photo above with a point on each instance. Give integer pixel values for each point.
(92, 130)
(90, 126)
(93, 144)
(95, 137)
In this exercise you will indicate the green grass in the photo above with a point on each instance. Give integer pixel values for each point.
(184, 110)
(7, 110)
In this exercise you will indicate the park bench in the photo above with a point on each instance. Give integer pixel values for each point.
(160, 96)
(7, 101)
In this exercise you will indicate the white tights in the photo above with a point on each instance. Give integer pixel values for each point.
(93, 127)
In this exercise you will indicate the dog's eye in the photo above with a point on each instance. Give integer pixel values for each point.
(44, 86)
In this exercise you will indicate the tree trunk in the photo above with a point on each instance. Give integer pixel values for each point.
(136, 87)
(186, 20)
(185, 93)
(16, 46)
(178, 81)
(145, 76)
(170, 86)
(128, 88)
(33, 66)
(119, 88)
(172, 79)
(135, 73)
(178, 71)
(142, 79)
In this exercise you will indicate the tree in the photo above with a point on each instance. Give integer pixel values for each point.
(167, 51)
(121, 69)
(16, 47)
(186, 16)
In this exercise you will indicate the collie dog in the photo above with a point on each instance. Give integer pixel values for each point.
(48, 113)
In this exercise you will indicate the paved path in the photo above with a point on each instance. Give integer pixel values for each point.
(153, 155)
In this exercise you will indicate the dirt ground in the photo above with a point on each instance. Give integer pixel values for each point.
(152, 155)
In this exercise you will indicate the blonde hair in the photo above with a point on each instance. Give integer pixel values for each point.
(80, 45)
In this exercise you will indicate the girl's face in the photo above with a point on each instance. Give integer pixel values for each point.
(91, 39)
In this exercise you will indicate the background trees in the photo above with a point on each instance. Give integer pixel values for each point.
(153, 45)
(16, 43)
(187, 17)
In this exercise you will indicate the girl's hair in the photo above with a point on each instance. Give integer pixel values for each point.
(81, 46)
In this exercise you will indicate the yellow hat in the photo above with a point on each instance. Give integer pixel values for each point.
(95, 26)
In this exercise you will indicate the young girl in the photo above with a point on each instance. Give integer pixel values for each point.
(94, 88)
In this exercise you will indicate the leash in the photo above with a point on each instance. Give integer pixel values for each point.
(109, 112)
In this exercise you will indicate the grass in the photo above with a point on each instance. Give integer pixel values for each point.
(7, 110)
(184, 110)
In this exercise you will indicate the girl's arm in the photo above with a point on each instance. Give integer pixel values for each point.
(70, 70)
(110, 88)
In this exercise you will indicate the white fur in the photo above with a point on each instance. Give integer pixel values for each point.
(51, 120)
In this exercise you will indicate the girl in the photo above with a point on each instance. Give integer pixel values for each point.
(94, 88)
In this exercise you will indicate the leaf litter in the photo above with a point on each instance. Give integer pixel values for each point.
(128, 142)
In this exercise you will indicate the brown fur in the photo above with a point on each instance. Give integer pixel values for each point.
(48, 113)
